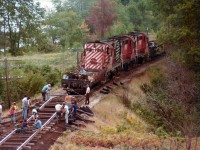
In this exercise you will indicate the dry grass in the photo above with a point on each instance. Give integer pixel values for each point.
(115, 127)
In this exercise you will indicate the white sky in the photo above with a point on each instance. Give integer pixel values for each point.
(47, 4)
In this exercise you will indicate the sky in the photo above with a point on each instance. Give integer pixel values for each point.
(47, 4)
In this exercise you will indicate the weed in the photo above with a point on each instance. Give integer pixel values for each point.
(125, 99)
(108, 130)
(122, 127)
(146, 88)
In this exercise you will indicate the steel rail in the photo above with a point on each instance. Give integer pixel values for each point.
(35, 133)
(8, 136)
(12, 132)
(41, 107)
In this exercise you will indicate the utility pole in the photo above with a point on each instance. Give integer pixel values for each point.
(7, 78)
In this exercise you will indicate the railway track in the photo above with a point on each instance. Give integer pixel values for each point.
(118, 81)
(47, 114)
(29, 139)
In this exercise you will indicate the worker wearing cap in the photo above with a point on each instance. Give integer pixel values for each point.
(45, 90)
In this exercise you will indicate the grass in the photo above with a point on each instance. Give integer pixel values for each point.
(60, 60)
(116, 127)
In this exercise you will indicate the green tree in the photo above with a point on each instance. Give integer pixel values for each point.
(65, 28)
(22, 21)
(180, 28)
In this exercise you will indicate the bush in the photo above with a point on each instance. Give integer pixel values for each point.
(157, 76)
(145, 88)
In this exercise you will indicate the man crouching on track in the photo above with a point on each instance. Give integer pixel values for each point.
(58, 108)
(37, 124)
(66, 112)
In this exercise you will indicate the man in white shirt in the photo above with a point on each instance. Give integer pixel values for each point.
(58, 108)
(66, 111)
(1, 109)
(87, 95)
(34, 113)
(25, 104)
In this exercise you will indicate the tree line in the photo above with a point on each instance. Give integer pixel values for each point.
(25, 26)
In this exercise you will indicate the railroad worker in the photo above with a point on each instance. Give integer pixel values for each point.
(58, 108)
(66, 76)
(73, 111)
(82, 71)
(25, 103)
(34, 113)
(66, 112)
(68, 98)
(44, 91)
(12, 112)
(15, 106)
(48, 93)
(29, 105)
(1, 110)
(37, 124)
(87, 95)
(21, 128)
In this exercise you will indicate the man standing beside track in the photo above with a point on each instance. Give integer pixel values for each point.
(87, 95)
(66, 111)
(1, 110)
(25, 104)
(45, 89)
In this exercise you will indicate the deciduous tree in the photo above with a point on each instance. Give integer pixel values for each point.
(22, 21)
(102, 16)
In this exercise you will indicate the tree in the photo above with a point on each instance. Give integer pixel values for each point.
(65, 28)
(22, 21)
(180, 29)
(102, 16)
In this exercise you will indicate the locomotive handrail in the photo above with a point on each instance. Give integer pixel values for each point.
(35, 133)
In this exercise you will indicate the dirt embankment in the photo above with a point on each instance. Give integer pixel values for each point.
(115, 127)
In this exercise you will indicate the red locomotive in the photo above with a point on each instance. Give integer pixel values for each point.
(101, 60)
